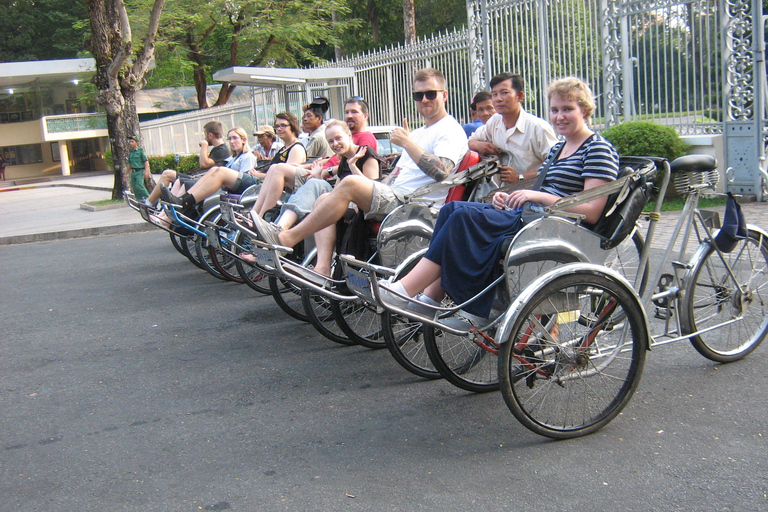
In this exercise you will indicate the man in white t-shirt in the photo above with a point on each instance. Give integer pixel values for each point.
(521, 139)
(432, 152)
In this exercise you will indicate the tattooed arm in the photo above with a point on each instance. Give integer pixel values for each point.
(436, 167)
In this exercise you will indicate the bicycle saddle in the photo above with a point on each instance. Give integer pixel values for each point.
(693, 163)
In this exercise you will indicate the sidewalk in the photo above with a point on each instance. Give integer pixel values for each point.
(50, 210)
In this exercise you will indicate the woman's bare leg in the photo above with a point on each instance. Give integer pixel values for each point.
(279, 177)
(425, 276)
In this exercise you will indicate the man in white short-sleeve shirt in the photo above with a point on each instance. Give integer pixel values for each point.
(521, 139)
(432, 152)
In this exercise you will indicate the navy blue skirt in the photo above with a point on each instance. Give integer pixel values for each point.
(467, 245)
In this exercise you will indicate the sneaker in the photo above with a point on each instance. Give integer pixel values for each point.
(269, 232)
(463, 321)
(387, 290)
(168, 197)
(422, 305)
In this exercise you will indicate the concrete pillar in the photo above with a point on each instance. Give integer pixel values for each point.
(64, 157)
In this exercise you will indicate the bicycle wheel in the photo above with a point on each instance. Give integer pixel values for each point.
(202, 249)
(469, 361)
(564, 378)
(252, 276)
(625, 259)
(404, 339)
(176, 242)
(736, 310)
(461, 360)
(223, 262)
(320, 315)
(288, 297)
(359, 321)
(189, 243)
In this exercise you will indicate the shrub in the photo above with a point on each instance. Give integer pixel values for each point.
(157, 164)
(108, 158)
(187, 164)
(643, 138)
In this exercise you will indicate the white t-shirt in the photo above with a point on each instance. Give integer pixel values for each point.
(445, 139)
(528, 142)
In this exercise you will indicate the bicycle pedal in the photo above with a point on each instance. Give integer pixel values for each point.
(663, 313)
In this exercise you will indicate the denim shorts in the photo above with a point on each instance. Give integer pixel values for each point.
(302, 201)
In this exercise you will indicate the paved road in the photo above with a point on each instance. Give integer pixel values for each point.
(130, 380)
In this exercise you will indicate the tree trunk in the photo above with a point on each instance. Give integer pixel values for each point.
(373, 15)
(198, 73)
(119, 74)
(409, 21)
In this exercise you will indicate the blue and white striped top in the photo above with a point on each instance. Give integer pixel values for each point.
(596, 158)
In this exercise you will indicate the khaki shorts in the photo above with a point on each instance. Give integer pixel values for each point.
(300, 177)
(384, 200)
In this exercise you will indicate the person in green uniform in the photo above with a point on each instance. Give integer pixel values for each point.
(139, 163)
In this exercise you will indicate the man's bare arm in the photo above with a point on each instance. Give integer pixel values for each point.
(436, 167)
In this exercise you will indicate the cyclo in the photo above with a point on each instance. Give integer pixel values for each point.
(570, 327)
(328, 304)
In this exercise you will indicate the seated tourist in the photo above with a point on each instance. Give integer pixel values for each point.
(213, 152)
(354, 161)
(432, 152)
(268, 144)
(239, 174)
(464, 252)
(290, 176)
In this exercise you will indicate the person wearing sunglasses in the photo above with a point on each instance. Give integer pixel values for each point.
(240, 172)
(521, 139)
(432, 152)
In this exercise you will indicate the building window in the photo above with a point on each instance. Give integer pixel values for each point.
(23, 155)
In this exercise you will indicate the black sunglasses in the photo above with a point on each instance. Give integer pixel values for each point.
(418, 96)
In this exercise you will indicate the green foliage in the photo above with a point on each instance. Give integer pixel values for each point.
(108, 158)
(643, 138)
(157, 164)
(186, 164)
(42, 30)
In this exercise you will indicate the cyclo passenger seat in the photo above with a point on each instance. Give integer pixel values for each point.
(456, 193)
(632, 190)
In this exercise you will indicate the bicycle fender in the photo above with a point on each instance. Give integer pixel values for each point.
(509, 317)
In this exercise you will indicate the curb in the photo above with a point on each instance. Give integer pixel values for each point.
(113, 206)
(48, 185)
(77, 233)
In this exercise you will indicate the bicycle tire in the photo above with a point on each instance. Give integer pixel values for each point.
(288, 296)
(712, 298)
(360, 322)
(320, 315)
(202, 248)
(176, 242)
(223, 262)
(404, 339)
(189, 243)
(253, 276)
(552, 385)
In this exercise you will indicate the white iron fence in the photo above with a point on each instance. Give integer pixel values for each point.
(697, 65)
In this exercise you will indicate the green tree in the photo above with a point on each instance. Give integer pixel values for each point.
(201, 36)
(120, 70)
(41, 29)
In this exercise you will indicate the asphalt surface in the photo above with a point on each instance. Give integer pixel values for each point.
(131, 380)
